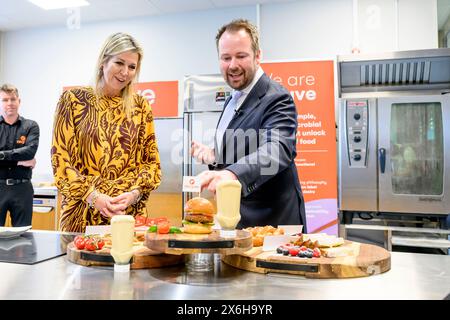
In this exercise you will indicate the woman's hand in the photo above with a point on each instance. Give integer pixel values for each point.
(111, 206)
(107, 207)
(104, 204)
(126, 199)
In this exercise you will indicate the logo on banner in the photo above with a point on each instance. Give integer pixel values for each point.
(191, 184)
(148, 94)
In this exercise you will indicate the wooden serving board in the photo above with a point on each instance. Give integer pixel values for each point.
(184, 243)
(361, 260)
(143, 258)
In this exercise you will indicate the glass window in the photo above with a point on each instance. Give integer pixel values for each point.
(417, 155)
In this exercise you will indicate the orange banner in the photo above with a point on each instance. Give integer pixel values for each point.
(161, 95)
(311, 84)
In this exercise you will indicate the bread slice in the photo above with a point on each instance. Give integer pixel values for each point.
(324, 240)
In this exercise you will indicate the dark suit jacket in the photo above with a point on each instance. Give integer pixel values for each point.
(259, 147)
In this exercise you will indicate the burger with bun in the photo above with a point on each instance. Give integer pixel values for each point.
(198, 216)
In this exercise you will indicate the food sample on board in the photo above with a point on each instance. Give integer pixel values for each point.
(318, 240)
(258, 233)
(289, 249)
(89, 242)
(198, 216)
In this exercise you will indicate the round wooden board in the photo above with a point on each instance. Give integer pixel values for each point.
(362, 260)
(184, 243)
(143, 258)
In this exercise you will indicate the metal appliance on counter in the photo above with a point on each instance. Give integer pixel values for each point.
(45, 208)
(34, 246)
(394, 134)
(204, 98)
(167, 199)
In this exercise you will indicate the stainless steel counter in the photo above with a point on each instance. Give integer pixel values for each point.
(412, 276)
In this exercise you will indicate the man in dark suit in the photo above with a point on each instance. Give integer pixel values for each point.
(255, 136)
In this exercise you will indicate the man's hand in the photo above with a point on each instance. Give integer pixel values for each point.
(202, 153)
(210, 179)
(27, 163)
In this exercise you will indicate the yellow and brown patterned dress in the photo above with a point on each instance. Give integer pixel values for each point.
(96, 146)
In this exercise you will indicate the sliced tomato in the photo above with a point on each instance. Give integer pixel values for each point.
(140, 221)
(153, 221)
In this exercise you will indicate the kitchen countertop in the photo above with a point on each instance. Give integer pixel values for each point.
(412, 276)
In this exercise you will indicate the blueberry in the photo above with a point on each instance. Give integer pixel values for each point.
(285, 252)
(279, 250)
(301, 254)
(308, 254)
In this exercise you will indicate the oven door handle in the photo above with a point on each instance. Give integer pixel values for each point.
(382, 158)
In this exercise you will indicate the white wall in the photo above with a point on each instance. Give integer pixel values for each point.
(41, 61)
(418, 27)
(376, 26)
(306, 29)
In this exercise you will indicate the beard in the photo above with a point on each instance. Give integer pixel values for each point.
(244, 80)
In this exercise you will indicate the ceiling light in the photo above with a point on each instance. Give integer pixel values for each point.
(59, 4)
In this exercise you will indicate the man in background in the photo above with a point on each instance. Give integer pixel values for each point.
(19, 140)
(255, 137)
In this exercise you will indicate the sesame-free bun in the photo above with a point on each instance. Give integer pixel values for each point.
(199, 205)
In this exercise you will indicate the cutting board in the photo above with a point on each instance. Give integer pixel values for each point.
(360, 260)
(143, 258)
(184, 243)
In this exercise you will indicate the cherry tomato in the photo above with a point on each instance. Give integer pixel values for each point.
(91, 245)
(79, 242)
(163, 227)
(100, 243)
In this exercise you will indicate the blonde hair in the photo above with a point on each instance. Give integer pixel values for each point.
(116, 44)
(9, 89)
(237, 25)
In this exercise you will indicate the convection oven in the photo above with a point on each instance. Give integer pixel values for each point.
(394, 132)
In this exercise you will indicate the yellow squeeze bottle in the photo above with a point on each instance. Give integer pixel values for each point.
(122, 230)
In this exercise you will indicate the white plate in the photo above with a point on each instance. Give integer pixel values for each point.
(12, 232)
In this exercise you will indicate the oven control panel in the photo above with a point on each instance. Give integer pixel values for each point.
(44, 201)
(357, 133)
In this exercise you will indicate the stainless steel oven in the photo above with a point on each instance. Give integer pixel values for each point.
(394, 132)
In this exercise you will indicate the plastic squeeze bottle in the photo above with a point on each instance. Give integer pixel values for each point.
(228, 195)
(122, 230)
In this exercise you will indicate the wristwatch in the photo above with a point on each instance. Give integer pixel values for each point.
(2, 155)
